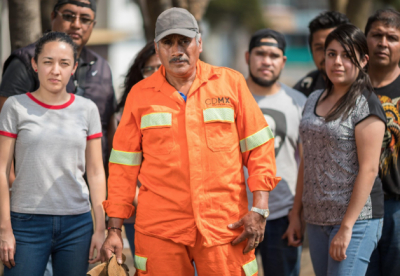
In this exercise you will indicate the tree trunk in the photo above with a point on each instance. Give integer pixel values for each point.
(198, 8)
(25, 23)
(46, 7)
(150, 11)
(338, 5)
(358, 12)
(181, 3)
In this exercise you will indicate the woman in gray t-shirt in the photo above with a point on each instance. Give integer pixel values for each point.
(54, 137)
(338, 185)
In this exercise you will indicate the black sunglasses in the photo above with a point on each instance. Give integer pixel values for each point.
(70, 17)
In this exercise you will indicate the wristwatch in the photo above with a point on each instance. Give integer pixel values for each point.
(262, 212)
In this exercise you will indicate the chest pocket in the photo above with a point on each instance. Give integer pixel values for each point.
(157, 133)
(220, 127)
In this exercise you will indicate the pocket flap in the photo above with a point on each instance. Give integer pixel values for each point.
(159, 119)
(221, 114)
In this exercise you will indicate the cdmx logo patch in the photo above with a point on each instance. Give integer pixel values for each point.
(218, 101)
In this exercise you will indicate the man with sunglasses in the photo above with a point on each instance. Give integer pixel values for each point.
(92, 78)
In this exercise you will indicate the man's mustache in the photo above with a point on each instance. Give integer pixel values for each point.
(178, 59)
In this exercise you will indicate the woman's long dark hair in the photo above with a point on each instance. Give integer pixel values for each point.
(352, 40)
(135, 71)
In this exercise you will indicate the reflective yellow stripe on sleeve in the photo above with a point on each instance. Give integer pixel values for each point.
(256, 140)
(126, 158)
(156, 119)
(140, 262)
(219, 114)
(250, 268)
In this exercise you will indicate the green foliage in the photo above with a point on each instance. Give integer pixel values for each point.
(247, 13)
(394, 3)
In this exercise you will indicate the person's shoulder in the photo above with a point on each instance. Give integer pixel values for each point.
(370, 97)
(313, 97)
(82, 101)
(308, 79)
(90, 53)
(23, 54)
(296, 95)
(93, 56)
(221, 71)
(149, 82)
(315, 94)
(27, 49)
(369, 103)
(16, 100)
(226, 71)
(306, 84)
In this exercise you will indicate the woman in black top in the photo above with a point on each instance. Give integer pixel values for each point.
(338, 186)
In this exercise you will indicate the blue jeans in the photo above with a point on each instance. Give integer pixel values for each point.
(277, 257)
(364, 239)
(66, 238)
(130, 235)
(385, 260)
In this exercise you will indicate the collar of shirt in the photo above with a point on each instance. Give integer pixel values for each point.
(204, 73)
(87, 57)
(183, 96)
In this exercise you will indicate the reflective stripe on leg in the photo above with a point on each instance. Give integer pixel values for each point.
(250, 268)
(140, 262)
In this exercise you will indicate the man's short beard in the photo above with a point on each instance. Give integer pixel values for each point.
(262, 82)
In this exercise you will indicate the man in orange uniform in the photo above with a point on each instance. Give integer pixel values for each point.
(186, 133)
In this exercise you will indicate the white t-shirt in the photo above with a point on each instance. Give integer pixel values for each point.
(50, 153)
(283, 113)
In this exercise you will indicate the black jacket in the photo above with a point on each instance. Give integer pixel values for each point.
(311, 82)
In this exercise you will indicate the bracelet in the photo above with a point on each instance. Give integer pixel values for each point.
(115, 228)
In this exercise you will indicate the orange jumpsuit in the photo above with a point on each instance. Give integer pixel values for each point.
(189, 158)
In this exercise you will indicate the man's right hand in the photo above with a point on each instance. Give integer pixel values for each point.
(112, 245)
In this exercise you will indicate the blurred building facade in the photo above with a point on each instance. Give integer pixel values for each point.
(226, 45)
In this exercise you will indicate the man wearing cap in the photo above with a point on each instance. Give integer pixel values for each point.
(92, 78)
(320, 27)
(187, 142)
(282, 107)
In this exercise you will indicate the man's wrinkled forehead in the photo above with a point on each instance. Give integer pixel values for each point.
(175, 36)
(76, 9)
(381, 26)
(82, 5)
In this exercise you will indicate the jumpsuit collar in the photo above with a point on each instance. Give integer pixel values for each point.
(204, 72)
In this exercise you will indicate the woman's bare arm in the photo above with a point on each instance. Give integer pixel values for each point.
(97, 185)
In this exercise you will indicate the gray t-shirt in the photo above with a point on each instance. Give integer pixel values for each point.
(283, 113)
(50, 153)
(331, 162)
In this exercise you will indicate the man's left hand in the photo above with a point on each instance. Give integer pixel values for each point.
(254, 227)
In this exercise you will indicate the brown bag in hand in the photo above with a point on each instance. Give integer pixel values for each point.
(110, 268)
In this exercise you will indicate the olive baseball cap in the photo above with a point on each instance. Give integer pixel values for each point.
(176, 21)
